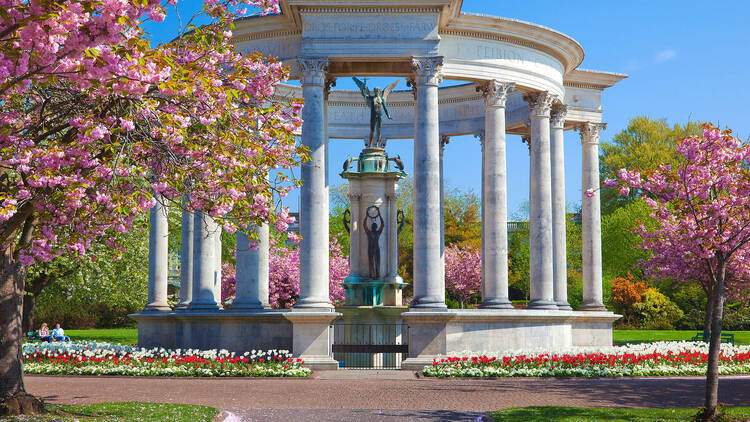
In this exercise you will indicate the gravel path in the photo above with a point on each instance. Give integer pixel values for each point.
(384, 395)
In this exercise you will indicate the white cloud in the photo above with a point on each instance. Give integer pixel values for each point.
(665, 56)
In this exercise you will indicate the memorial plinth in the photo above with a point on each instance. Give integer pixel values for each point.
(373, 230)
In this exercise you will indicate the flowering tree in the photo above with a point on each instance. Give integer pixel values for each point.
(97, 125)
(283, 277)
(702, 233)
(463, 271)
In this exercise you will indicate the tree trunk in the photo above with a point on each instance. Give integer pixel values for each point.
(707, 318)
(33, 289)
(13, 397)
(710, 410)
(29, 309)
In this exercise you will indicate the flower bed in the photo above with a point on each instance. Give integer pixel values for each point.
(89, 358)
(648, 359)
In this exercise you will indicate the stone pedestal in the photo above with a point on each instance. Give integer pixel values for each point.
(498, 330)
(373, 185)
(312, 338)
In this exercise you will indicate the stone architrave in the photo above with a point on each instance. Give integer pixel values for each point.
(591, 220)
(429, 285)
(557, 158)
(540, 203)
(494, 199)
(314, 251)
(158, 252)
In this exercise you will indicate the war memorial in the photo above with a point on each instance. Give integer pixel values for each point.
(515, 78)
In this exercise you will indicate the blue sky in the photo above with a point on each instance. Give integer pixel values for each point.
(686, 60)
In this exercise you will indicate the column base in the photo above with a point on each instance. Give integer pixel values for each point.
(247, 306)
(501, 303)
(313, 304)
(202, 307)
(564, 306)
(428, 302)
(542, 304)
(157, 307)
(592, 307)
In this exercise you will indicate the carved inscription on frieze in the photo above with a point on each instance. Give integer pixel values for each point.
(370, 27)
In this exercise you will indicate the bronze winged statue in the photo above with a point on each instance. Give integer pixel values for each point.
(376, 100)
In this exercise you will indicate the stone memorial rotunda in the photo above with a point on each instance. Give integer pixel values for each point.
(519, 78)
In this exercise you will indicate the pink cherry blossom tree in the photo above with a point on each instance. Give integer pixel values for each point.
(463, 271)
(98, 125)
(702, 234)
(284, 279)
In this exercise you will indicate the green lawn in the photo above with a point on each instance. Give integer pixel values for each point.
(125, 412)
(644, 336)
(577, 414)
(113, 335)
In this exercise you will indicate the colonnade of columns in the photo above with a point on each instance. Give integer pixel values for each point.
(201, 252)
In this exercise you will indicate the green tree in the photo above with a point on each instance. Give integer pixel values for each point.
(643, 145)
(620, 251)
(99, 291)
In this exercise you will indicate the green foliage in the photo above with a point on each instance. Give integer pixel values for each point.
(463, 224)
(559, 413)
(99, 292)
(736, 317)
(643, 145)
(575, 288)
(620, 252)
(656, 311)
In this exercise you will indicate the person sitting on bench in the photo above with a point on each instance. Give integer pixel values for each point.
(44, 334)
(58, 334)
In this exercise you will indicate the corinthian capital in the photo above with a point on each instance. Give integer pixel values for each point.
(540, 103)
(590, 132)
(313, 70)
(495, 92)
(427, 70)
(558, 114)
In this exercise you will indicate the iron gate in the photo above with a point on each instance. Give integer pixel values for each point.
(370, 346)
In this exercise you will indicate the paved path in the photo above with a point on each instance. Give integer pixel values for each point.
(384, 395)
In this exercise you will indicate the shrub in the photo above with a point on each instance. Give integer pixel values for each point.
(625, 294)
(656, 311)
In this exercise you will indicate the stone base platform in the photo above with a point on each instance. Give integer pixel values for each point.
(307, 334)
(433, 333)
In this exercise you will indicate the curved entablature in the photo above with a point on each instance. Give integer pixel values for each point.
(378, 38)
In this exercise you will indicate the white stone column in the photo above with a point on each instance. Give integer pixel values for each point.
(186, 258)
(217, 262)
(158, 257)
(429, 285)
(591, 219)
(559, 215)
(204, 264)
(494, 198)
(540, 204)
(251, 285)
(314, 268)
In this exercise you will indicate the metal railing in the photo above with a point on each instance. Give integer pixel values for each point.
(370, 346)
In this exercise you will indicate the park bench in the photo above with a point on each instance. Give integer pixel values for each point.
(32, 335)
(703, 336)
